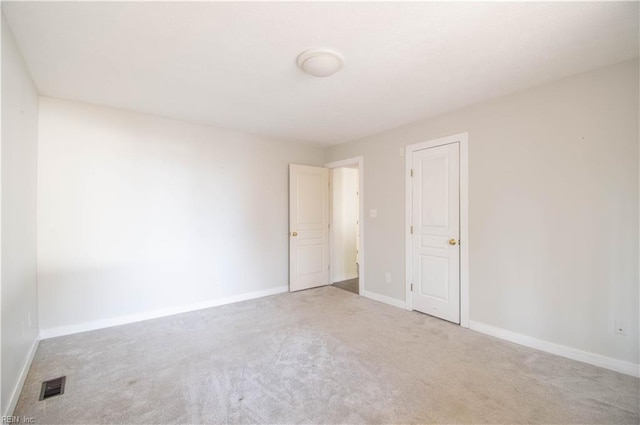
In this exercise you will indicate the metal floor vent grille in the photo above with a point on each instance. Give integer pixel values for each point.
(52, 388)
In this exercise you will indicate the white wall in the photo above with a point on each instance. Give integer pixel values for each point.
(140, 214)
(19, 156)
(344, 219)
(553, 209)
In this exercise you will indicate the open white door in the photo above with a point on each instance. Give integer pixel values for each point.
(435, 235)
(308, 227)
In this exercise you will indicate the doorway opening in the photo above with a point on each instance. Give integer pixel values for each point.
(345, 235)
(326, 236)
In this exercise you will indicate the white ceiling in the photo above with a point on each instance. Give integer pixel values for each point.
(232, 65)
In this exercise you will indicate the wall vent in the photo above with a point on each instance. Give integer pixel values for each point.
(52, 387)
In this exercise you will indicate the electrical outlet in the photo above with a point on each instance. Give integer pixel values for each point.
(29, 319)
(621, 327)
(401, 152)
(373, 213)
(387, 277)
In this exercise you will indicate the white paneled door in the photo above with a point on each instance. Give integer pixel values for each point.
(308, 227)
(436, 231)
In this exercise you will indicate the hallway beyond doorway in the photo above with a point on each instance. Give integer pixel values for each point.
(350, 285)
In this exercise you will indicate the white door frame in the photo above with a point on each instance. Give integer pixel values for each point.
(359, 161)
(463, 139)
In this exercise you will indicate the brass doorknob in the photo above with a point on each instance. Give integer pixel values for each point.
(452, 241)
(294, 234)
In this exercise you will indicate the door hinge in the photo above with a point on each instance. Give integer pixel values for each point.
(412, 172)
(412, 287)
(411, 230)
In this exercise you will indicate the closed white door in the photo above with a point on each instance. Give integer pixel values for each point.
(436, 231)
(308, 227)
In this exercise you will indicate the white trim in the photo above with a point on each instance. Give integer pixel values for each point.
(15, 394)
(359, 161)
(383, 299)
(464, 231)
(559, 350)
(138, 317)
(356, 160)
(463, 139)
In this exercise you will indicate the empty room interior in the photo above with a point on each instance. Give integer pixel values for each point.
(320, 212)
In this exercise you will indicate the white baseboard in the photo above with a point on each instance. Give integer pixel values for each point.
(15, 394)
(559, 350)
(138, 317)
(382, 298)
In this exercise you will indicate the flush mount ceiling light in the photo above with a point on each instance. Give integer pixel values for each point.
(320, 62)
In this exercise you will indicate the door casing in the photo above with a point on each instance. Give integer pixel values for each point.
(463, 140)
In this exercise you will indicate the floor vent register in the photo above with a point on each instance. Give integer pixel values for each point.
(52, 388)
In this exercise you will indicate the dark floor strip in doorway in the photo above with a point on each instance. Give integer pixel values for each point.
(350, 285)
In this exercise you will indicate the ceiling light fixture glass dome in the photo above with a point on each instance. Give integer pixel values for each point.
(320, 62)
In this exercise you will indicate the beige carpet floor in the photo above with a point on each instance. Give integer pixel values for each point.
(318, 356)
